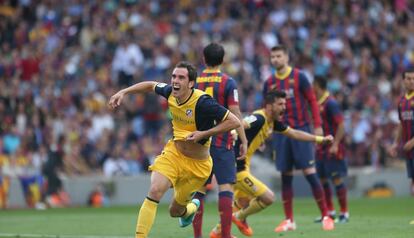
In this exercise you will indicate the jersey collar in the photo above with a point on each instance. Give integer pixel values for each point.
(180, 104)
(409, 96)
(323, 98)
(283, 76)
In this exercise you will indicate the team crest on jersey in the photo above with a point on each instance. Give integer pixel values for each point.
(292, 81)
(189, 112)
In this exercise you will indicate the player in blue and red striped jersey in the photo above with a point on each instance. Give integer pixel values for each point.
(223, 88)
(330, 159)
(405, 134)
(290, 154)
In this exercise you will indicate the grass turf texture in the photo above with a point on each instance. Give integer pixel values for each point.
(369, 218)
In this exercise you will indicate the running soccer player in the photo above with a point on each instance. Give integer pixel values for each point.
(223, 88)
(288, 153)
(330, 159)
(185, 163)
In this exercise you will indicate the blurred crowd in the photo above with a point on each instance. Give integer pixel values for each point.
(60, 61)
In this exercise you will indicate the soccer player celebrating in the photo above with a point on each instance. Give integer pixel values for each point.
(185, 162)
(223, 88)
(289, 153)
(258, 128)
(330, 161)
(405, 131)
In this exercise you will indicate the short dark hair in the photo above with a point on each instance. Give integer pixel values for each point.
(213, 54)
(273, 95)
(408, 70)
(321, 81)
(192, 70)
(280, 48)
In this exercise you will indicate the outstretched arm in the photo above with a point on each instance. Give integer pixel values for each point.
(142, 87)
(304, 136)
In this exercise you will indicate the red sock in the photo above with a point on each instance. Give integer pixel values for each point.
(287, 196)
(226, 210)
(341, 192)
(328, 196)
(198, 218)
(318, 193)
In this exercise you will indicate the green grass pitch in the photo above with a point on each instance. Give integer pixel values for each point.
(369, 218)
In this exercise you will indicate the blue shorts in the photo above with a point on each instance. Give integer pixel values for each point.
(410, 167)
(224, 165)
(290, 153)
(331, 168)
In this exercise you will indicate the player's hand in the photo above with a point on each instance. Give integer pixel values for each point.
(393, 150)
(195, 136)
(409, 145)
(327, 140)
(116, 100)
(333, 149)
(318, 131)
(242, 151)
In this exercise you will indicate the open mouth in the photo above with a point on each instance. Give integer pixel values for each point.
(176, 87)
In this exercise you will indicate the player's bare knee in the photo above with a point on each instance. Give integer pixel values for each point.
(268, 198)
(155, 192)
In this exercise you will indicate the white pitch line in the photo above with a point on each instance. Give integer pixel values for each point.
(56, 236)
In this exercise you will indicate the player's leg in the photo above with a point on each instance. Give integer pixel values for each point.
(262, 195)
(284, 163)
(165, 171)
(262, 198)
(146, 216)
(193, 176)
(410, 172)
(224, 169)
(323, 176)
(304, 157)
(337, 169)
(198, 219)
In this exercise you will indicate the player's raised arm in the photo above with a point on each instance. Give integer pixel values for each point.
(142, 87)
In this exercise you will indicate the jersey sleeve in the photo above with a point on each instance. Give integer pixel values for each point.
(232, 93)
(163, 89)
(280, 127)
(335, 111)
(208, 108)
(309, 95)
(254, 121)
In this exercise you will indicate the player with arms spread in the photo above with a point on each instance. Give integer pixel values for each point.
(185, 163)
(290, 154)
